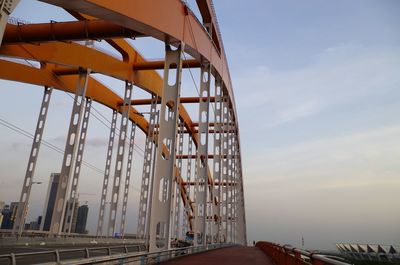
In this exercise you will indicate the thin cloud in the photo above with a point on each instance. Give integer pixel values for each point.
(335, 77)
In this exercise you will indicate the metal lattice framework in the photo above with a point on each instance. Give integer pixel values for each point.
(201, 189)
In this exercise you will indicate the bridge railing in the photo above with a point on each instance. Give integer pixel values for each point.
(286, 255)
(61, 255)
(112, 255)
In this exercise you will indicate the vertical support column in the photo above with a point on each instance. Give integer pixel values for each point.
(224, 170)
(69, 154)
(242, 205)
(237, 190)
(73, 196)
(120, 158)
(187, 216)
(147, 170)
(177, 184)
(6, 7)
(106, 175)
(165, 157)
(153, 161)
(230, 177)
(29, 174)
(201, 183)
(233, 186)
(127, 178)
(217, 158)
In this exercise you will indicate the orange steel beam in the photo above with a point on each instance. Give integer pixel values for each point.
(45, 77)
(158, 65)
(211, 124)
(97, 91)
(215, 184)
(211, 131)
(65, 31)
(167, 20)
(76, 55)
(141, 66)
(146, 101)
(207, 15)
(125, 55)
(126, 50)
(210, 156)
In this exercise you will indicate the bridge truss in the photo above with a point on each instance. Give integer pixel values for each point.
(192, 172)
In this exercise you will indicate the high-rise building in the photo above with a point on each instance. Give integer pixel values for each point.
(2, 204)
(35, 225)
(50, 201)
(8, 213)
(81, 219)
(69, 212)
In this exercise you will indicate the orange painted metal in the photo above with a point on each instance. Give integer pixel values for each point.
(215, 184)
(45, 77)
(65, 31)
(182, 100)
(75, 55)
(158, 65)
(207, 15)
(96, 91)
(167, 20)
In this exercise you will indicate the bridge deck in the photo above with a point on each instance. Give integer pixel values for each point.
(232, 256)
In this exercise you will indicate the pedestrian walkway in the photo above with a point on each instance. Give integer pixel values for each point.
(231, 256)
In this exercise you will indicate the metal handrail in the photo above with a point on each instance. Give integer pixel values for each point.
(7, 233)
(145, 257)
(285, 254)
(153, 257)
(12, 257)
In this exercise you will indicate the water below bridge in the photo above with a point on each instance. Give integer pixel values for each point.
(230, 255)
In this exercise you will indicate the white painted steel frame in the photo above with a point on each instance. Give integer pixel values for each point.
(127, 178)
(104, 189)
(165, 159)
(187, 221)
(69, 154)
(6, 7)
(73, 196)
(201, 181)
(125, 108)
(176, 202)
(224, 168)
(147, 171)
(22, 209)
(217, 159)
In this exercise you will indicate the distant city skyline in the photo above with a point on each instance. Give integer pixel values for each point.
(317, 90)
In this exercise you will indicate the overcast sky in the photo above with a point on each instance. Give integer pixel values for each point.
(317, 88)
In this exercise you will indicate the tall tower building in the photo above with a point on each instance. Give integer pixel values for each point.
(81, 219)
(2, 204)
(50, 201)
(8, 215)
(71, 211)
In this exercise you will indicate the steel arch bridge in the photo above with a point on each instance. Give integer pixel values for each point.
(211, 204)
